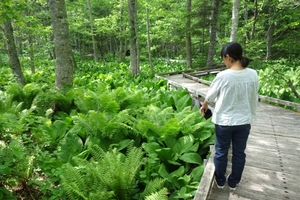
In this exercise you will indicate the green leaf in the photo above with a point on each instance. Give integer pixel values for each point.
(184, 144)
(183, 194)
(178, 173)
(191, 158)
(59, 127)
(197, 173)
(204, 134)
(71, 145)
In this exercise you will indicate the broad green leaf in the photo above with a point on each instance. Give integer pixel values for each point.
(71, 145)
(197, 173)
(184, 144)
(178, 173)
(191, 158)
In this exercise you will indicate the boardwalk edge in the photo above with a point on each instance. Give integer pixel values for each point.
(206, 181)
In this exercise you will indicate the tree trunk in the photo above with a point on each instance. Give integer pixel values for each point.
(270, 33)
(122, 47)
(254, 19)
(246, 20)
(188, 35)
(213, 33)
(12, 52)
(134, 49)
(31, 53)
(235, 20)
(149, 41)
(64, 57)
(92, 31)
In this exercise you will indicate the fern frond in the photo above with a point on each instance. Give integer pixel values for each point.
(152, 187)
(30, 91)
(15, 90)
(160, 195)
(101, 195)
(107, 104)
(102, 102)
(133, 162)
(96, 152)
(73, 183)
(92, 124)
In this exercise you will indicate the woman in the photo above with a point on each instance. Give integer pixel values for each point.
(235, 92)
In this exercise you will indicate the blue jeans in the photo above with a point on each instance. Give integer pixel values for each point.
(238, 136)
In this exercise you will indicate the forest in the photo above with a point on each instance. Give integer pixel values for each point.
(82, 115)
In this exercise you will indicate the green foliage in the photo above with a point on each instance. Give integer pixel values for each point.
(110, 111)
(109, 175)
(280, 79)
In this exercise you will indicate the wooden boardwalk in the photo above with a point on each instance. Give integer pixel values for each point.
(272, 170)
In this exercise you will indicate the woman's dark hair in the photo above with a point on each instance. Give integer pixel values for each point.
(235, 51)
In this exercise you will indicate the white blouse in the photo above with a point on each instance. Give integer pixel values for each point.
(236, 94)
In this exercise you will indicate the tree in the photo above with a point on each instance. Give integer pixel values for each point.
(270, 32)
(149, 41)
(64, 57)
(213, 33)
(7, 14)
(235, 20)
(12, 52)
(134, 47)
(254, 19)
(188, 34)
(92, 30)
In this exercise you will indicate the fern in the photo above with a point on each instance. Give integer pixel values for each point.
(159, 122)
(90, 100)
(73, 183)
(105, 126)
(110, 173)
(160, 195)
(152, 187)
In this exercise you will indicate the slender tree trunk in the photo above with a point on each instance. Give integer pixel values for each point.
(213, 33)
(254, 19)
(188, 35)
(134, 49)
(31, 54)
(122, 47)
(149, 41)
(246, 20)
(235, 20)
(92, 31)
(65, 63)
(270, 32)
(12, 52)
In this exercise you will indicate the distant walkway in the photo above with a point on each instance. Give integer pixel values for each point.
(272, 170)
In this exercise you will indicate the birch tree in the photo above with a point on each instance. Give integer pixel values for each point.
(92, 30)
(149, 40)
(213, 33)
(188, 35)
(235, 20)
(254, 19)
(270, 31)
(134, 48)
(64, 57)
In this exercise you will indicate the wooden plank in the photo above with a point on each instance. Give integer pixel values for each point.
(279, 101)
(207, 178)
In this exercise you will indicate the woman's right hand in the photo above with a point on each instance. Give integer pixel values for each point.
(203, 108)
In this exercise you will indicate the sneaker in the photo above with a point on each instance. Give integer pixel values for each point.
(219, 185)
(231, 187)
